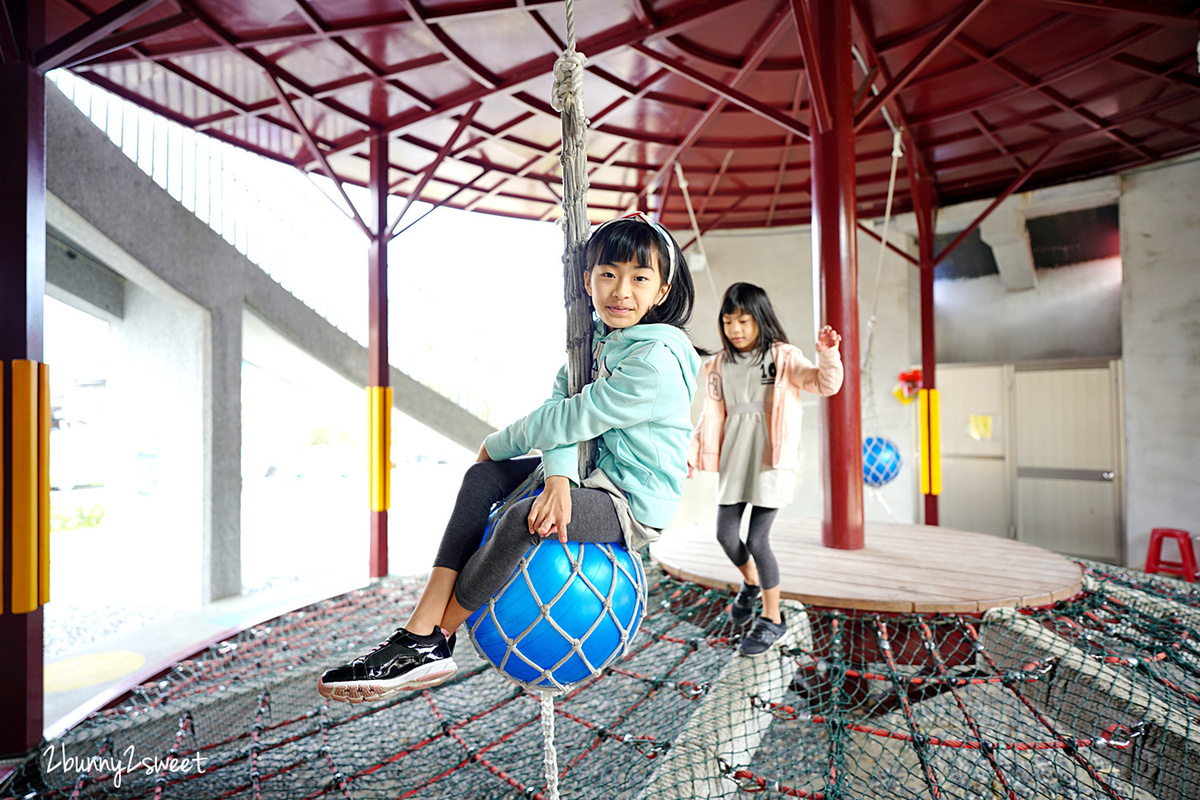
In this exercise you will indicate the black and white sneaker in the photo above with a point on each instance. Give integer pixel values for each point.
(742, 607)
(403, 663)
(764, 634)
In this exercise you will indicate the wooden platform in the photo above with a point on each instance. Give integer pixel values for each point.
(916, 568)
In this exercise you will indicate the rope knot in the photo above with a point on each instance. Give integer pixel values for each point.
(568, 82)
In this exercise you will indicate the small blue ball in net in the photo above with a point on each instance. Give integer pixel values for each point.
(881, 461)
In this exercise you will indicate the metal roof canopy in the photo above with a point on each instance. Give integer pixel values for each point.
(991, 95)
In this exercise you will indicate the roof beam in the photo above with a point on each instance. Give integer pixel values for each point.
(912, 149)
(1053, 95)
(427, 175)
(935, 45)
(1012, 187)
(311, 142)
(812, 65)
(68, 45)
(781, 170)
(10, 51)
(1141, 10)
(451, 48)
(728, 93)
(712, 187)
(538, 68)
(128, 38)
(1172, 73)
(762, 45)
(274, 73)
(862, 226)
(990, 135)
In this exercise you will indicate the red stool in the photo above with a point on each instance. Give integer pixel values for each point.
(1185, 567)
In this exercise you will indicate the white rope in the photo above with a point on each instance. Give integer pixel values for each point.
(687, 200)
(551, 759)
(897, 152)
(568, 82)
(867, 363)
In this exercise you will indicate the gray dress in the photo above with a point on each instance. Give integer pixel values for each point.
(745, 476)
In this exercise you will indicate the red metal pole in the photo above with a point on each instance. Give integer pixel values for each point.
(377, 346)
(923, 208)
(835, 255)
(22, 288)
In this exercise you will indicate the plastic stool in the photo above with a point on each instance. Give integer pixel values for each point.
(1185, 567)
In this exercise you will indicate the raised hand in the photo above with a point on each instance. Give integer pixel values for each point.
(828, 338)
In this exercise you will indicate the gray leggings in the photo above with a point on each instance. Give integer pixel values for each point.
(758, 540)
(482, 571)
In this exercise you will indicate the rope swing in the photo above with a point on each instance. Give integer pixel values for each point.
(569, 609)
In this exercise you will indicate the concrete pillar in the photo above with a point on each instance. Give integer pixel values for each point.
(1005, 232)
(1160, 345)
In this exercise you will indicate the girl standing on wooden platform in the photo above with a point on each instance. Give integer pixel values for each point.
(749, 432)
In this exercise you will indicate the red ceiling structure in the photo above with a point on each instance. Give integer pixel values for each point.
(988, 93)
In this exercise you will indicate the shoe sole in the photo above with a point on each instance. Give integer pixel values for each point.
(422, 677)
(742, 652)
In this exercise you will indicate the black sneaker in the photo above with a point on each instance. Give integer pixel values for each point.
(403, 663)
(764, 634)
(742, 607)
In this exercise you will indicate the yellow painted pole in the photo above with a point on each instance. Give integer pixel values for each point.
(379, 399)
(43, 484)
(24, 481)
(931, 442)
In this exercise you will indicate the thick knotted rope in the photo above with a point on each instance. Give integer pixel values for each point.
(568, 82)
(567, 99)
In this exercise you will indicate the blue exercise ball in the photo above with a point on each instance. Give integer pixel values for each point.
(566, 613)
(881, 461)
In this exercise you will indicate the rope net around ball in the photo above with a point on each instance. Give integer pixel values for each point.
(567, 611)
(1093, 697)
(881, 461)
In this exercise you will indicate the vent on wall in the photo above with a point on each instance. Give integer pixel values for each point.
(971, 259)
(1074, 237)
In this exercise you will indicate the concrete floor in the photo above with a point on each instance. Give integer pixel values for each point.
(105, 669)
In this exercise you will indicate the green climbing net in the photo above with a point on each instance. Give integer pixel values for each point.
(1093, 697)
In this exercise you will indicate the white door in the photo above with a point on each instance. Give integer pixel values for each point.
(1067, 456)
(975, 423)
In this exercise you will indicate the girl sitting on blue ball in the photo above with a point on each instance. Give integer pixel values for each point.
(638, 404)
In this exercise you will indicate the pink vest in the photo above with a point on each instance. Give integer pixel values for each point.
(793, 374)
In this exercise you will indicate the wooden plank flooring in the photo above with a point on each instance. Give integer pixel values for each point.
(902, 568)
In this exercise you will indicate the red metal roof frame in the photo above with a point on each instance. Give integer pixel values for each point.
(991, 95)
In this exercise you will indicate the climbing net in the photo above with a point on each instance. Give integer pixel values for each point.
(1093, 697)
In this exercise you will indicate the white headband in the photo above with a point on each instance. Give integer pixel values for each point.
(639, 215)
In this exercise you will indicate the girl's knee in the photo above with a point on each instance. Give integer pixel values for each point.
(513, 525)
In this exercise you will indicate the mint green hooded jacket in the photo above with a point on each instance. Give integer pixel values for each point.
(639, 404)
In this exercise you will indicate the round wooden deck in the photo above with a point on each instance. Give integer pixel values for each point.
(903, 568)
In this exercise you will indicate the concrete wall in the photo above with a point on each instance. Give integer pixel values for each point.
(1160, 311)
(780, 261)
(182, 278)
(979, 320)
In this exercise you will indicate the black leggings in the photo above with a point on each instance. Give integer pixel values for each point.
(758, 540)
(482, 571)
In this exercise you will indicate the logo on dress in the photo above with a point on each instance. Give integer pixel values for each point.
(767, 370)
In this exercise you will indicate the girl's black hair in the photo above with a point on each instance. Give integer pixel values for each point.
(752, 300)
(632, 239)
